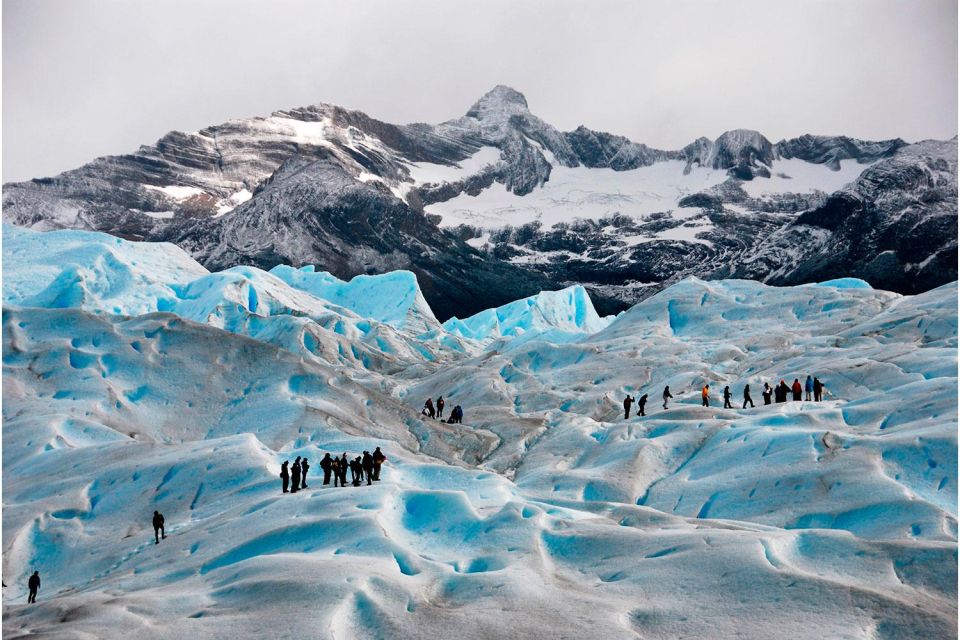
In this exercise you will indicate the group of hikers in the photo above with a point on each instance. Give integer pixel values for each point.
(436, 411)
(366, 466)
(362, 467)
(813, 387)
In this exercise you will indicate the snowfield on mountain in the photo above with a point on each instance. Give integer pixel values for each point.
(136, 380)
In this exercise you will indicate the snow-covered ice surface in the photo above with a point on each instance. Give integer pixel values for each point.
(427, 173)
(793, 175)
(582, 193)
(135, 380)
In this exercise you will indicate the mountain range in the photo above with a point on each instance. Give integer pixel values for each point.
(497, 204)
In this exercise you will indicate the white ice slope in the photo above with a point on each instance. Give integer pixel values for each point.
(545, 514)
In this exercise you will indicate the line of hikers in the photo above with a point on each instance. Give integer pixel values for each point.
(813, 387)
(362, 467)
(456, 416)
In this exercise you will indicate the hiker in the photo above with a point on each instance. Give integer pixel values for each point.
(440, 407)
(780, 393)
(456, 416)
(304, 467)
(767, 392)
(367, 464)
(641, 403)
(705, 395)
(626, 407)
(817, 390)
(356, 471)
(158, 531)
(326, 464)
(666, 395)
(808, 388)
(747, 398)
(34, 585)
(285, 475)
(797, 389)
(335, 467)
(379, 459)
(428, 409)
(295, 476)
(344, 466)
(726, 398)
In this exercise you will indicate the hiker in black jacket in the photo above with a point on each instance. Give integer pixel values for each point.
(285, 475)
(158, 531)
(295, 476)
(34, 585)
(304, 467)
(367, 464)
(746, 397)
(326, 463)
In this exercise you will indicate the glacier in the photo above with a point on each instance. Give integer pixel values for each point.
(135, 379)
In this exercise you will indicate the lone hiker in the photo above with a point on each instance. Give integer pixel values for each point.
(367, 464)
(440, 407)
(158, 531)
(747, 398)
(34, 585)
(304, 467)
(326, 463)
(705, 395)
(285, 475)
(808, 387)
(726, 398)
(626, 406)
(379, 459)
(641, 403)
(295, 476)
(666, 395)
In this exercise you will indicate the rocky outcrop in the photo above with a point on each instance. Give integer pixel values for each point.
(830, 150)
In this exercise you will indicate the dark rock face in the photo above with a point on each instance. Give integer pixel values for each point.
(830, 150)
(326, 186)
(895, 227)
(596, 149)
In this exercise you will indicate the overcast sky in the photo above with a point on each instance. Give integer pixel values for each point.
(84, 78)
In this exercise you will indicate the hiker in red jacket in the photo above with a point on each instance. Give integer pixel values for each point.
(797, 389)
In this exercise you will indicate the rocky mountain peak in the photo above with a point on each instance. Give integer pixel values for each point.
(499, 101)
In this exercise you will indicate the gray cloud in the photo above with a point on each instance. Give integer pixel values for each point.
(83, 78)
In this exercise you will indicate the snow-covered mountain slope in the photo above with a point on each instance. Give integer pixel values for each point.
(895, 223)
(545, 513)
(498, 204)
